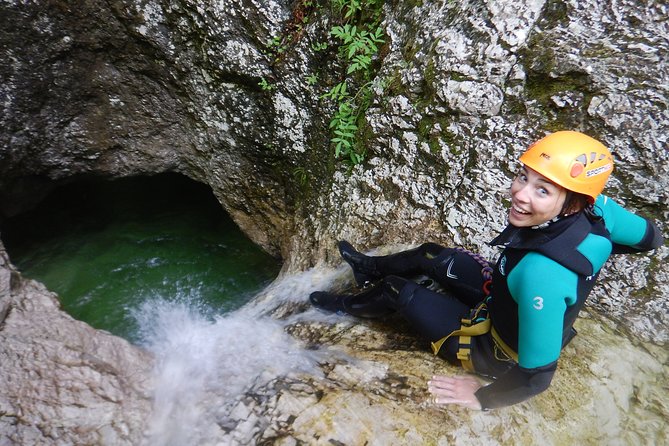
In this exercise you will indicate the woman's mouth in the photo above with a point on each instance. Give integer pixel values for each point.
(519, 210)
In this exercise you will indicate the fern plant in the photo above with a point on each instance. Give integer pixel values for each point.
(360, 37)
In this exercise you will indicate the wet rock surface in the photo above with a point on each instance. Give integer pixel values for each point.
(138, 87)
(62, 381)
(371, 388)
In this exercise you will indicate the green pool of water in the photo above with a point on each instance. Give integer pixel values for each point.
(106, 247)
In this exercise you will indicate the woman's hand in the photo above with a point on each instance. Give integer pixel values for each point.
(455, 390)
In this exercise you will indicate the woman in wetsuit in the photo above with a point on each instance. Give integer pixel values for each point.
(509, 321)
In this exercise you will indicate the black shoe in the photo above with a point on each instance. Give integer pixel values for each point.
(368, 304)
(327, 301)
(364, 267)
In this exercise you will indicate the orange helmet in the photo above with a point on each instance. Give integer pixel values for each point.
(572, 160)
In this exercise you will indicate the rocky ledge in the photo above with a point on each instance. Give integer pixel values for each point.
(62, 381)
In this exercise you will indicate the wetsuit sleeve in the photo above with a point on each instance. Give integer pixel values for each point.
(515, 386)
(630, 233)
(541, 307)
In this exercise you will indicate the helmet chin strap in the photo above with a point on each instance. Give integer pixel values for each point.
(570, 206)
(547, 223)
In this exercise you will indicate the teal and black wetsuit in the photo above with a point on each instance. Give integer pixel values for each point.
(540, 282)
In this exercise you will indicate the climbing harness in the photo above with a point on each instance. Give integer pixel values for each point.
(478, 323)
(502, 347)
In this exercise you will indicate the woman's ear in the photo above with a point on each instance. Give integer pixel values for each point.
(574, 203)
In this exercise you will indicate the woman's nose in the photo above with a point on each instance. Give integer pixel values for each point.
(521, 193)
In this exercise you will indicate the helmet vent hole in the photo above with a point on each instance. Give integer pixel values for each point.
(576, 170)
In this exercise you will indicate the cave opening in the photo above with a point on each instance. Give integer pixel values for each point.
(109, 247)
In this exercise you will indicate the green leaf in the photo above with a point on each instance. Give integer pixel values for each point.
(343, 141)
(346, 135)
(352, 49)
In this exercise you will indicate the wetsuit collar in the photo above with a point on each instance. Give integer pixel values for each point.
(535, 236)
(558, 241)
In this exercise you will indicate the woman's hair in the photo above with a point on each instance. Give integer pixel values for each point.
(575, 202)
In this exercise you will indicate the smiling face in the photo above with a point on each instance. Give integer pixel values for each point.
(534, 199)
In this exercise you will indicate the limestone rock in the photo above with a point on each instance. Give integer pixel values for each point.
(62, 381)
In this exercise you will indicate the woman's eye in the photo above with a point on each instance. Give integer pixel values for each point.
(542, 191)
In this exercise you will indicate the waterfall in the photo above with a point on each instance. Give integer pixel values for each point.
(205, 364)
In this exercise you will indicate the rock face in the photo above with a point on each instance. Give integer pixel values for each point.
(116, 88)
(62, 381)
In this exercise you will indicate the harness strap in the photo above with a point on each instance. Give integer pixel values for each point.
(465, 353)
(478, 322)
(468, 331)
(465, 334)
(508, 351)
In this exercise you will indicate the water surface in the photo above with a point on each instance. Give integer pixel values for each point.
(109, 247)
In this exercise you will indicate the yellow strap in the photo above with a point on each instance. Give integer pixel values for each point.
(473, 330)
(465, 353)
(465, 357)
(508, 351)
(468, 322)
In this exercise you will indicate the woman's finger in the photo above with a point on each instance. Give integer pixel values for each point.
(442, 381)
(455, 390)
(439, 391)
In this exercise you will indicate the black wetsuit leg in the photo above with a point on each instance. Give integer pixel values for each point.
(432, 314)
(453, 269)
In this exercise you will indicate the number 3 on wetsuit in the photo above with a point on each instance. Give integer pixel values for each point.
(538, 302)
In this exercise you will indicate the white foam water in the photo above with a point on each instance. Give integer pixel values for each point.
(204, 364)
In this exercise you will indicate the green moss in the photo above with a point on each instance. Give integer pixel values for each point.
(409, 51)
(556, 125)
(541, 87)
(555, 13)
(364, 135)
(539, 60)
(458, 77)
(428, 92)
(425, 127)
(451, 140)
(436, 140)
(514, 106)
(430, 73)
(599, 50)
(393, 84)
(435, 147)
